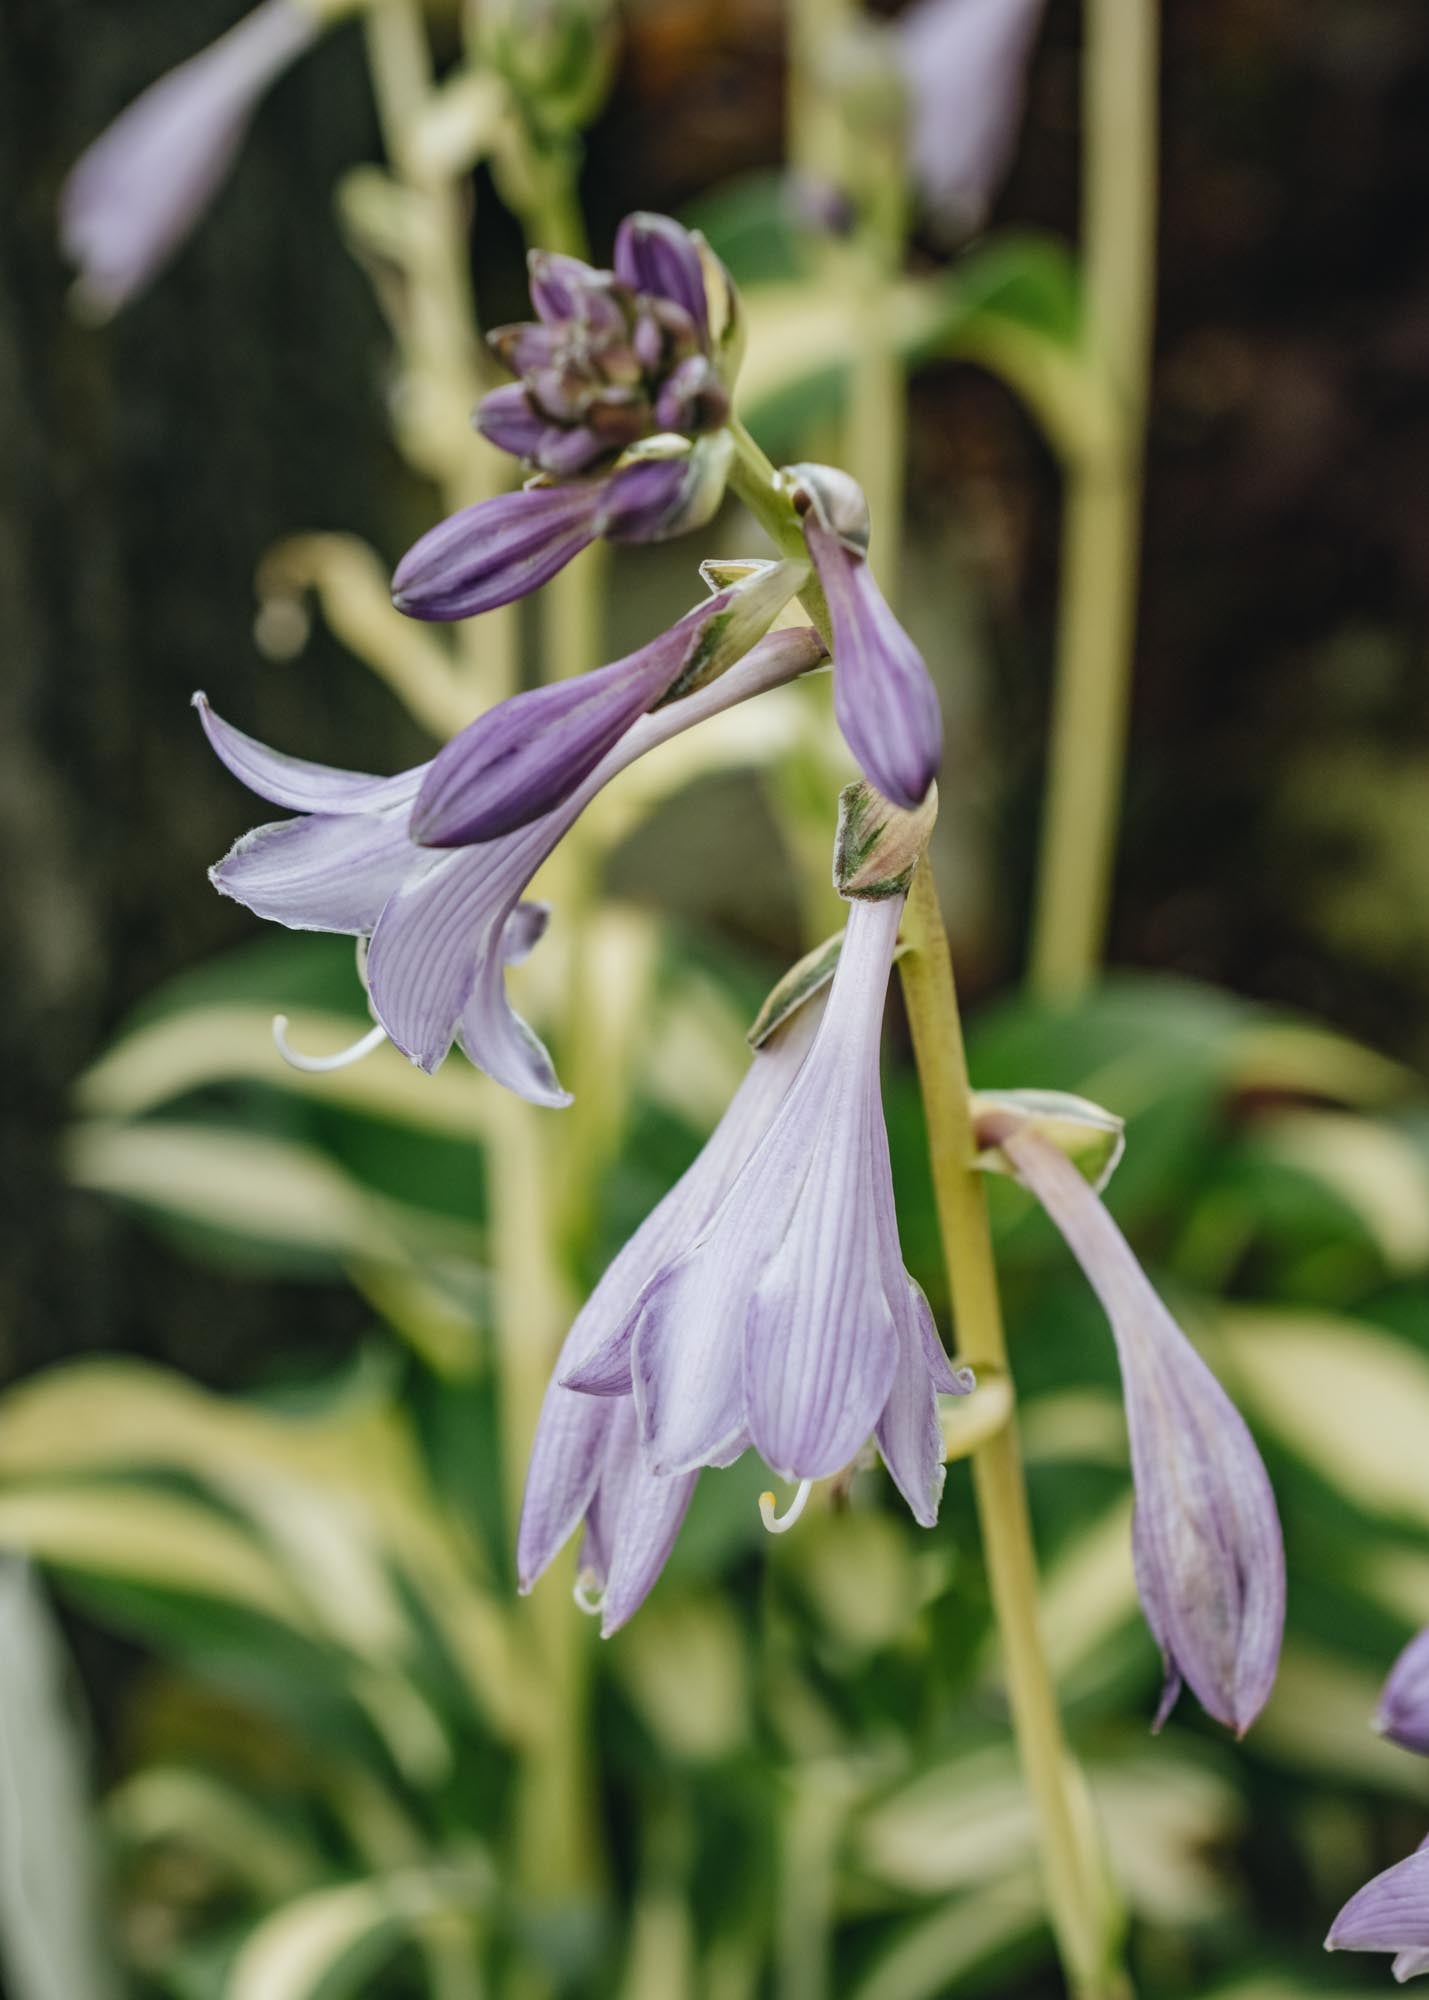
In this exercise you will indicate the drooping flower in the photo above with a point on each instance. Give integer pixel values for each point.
(1390, 1913)
(1403, 1714)
(788, 1322)
(586, 1464)
(886, 705)
(437, 919)
(524, 756)
(964, 65)
(498, 550)
(1210, 1564)
(145, 183)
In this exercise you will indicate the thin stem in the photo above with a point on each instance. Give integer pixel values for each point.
(1101, 529)
(443, 354)
(1078, 1898)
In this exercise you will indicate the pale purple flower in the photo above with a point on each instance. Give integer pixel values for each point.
(886, 705)
(437, 919)
(502, 549)
(1403, 1714)
(1390, 1913)
(1210, 1564)
(788, 1322)
(964, 65)
(144, 184)
(586, 1463)
(524, 756)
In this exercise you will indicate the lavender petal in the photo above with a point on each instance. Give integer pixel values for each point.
(297, 784)
(1390, 1913)
(654, 255)
(320, 873)
(641, 1516)
(1403, 1714)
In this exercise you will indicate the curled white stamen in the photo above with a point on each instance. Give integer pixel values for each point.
(588, 1594)
(780, 1524)
(316, 1065)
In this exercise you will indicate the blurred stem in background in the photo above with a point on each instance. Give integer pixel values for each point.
(556, 1855)
(444, 358)
(1102, 509)
(1084, 1917)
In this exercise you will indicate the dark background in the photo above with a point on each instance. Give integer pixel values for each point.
(1277, 824)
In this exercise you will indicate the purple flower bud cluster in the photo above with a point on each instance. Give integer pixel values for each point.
(1391, 1912)
(613, 360)
(612, 356)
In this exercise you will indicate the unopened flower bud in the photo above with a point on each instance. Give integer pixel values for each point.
(1091, 1138)
(877, 845)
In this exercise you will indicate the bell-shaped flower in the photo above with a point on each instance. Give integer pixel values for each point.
(145, 183)
(586, 1463)
(887, 707)
(1390, 1914)
(1403, 1713)
(437, 920)
(964, 65)
(524, 756)
(789, 1322)
(498, 550)
(1210, 1564)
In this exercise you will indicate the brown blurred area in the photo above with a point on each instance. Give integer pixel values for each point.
(1277, 825)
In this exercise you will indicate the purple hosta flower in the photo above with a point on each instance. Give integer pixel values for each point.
(1390, 1913)
(887, 707)
(144, 184)
(586, 1462)
(502, 549)
(1210, 1566)
(525, 755)
(439, 920)
(1403, 1713)
(964, 65)
(788, 1322)
(613, 356)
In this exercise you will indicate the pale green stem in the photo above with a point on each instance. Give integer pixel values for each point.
(1102, 523)
(1080, 1903)
(443, 356)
